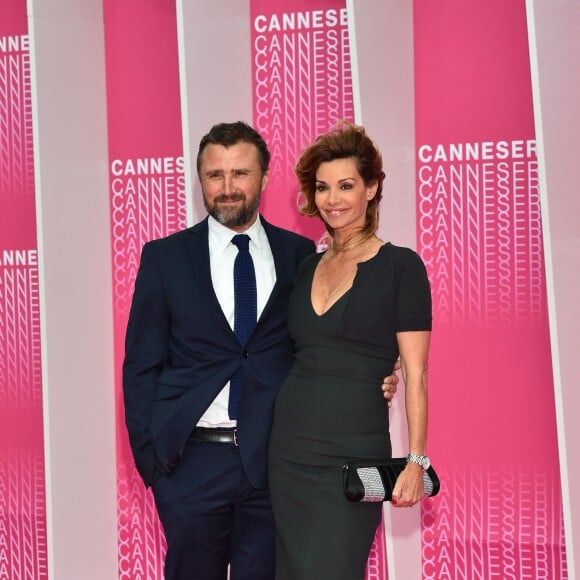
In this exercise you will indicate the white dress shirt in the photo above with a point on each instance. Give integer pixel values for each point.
(222, 254)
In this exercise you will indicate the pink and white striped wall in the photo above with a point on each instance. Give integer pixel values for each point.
(445, 89)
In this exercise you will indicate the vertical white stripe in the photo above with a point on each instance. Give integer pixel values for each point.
(75, 286)
(381, 48)
(186, 134)
(550, 285)
(352, 42)
(214, 77)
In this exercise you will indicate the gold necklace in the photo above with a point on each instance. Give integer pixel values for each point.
(336, 288)
(356, 257)
(350, 246)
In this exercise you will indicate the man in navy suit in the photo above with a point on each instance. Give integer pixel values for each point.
(207, 467)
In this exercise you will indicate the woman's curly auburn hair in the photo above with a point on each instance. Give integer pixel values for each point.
(343, 141)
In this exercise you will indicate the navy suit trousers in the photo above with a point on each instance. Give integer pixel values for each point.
(213, 517)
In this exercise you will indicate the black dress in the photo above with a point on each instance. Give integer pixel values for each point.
(331, 409)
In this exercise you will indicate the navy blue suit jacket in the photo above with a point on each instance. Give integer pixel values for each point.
(180, 351)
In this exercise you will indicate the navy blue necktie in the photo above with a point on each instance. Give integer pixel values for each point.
(245, 313)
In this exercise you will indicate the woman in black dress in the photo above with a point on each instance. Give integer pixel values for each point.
(353, 310)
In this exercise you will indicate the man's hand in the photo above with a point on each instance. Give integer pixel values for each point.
(389, 386)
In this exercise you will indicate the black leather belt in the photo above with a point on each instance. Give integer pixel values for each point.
(215, 435)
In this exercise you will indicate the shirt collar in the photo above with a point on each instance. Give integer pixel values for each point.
(222, 236)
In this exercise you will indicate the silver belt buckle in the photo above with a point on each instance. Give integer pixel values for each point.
(236, 437)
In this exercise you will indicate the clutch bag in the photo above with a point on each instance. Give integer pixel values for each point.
(373, 481)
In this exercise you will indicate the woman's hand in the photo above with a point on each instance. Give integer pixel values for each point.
(389, 386)
(409, 488)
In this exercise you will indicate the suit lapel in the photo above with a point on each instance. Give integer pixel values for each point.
(281, 263)
(198, 249)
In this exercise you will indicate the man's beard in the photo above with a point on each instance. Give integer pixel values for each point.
(230, 216)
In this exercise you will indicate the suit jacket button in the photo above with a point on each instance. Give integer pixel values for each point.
(245, 354)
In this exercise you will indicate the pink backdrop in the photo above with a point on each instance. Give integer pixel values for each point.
(302, 85)
(23, 551)
(147, 201)
(493, 431)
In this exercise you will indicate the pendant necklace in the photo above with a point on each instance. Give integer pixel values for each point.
(338, 286)
(358, 243)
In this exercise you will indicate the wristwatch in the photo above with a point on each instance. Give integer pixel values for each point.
(421, 460)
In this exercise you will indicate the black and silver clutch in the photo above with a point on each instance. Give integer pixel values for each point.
(373, 481)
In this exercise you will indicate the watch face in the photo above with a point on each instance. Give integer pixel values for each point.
(426, 463)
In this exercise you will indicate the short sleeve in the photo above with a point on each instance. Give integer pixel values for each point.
(413, 310)
(391, 294)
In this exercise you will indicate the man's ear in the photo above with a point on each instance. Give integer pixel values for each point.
(264, 181)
